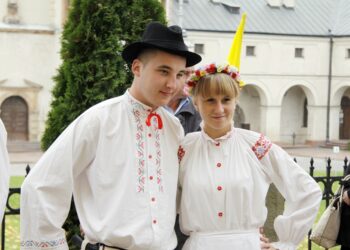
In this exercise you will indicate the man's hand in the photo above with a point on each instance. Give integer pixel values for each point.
(346, 197)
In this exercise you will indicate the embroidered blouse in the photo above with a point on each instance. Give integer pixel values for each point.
(224, 182)
(122, 173)
(4, 170)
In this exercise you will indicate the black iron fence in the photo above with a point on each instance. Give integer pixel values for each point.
(327, 180)
(10, 210)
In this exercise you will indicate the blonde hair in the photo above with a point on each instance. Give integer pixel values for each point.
(218, 83)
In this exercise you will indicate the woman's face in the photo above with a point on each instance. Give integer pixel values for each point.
(217, 112)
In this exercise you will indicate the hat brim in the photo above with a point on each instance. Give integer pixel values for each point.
(133, 50)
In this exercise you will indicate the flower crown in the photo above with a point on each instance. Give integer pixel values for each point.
(213, 69)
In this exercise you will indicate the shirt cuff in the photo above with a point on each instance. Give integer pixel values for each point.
(284, 245)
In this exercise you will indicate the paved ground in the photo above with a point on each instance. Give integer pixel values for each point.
(19, 160)
(320, 157)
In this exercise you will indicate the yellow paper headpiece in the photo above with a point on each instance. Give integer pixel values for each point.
(235, 52)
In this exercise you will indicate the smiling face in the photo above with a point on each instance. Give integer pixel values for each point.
(157, 75)
(215, 98)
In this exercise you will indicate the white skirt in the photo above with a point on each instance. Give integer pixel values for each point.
(224, 240)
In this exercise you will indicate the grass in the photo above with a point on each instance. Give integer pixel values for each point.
(304, 243)
(12, 240)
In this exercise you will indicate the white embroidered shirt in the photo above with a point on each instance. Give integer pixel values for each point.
(224, 183)
(122, 173)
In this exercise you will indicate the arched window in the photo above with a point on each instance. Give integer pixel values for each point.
(14, 114)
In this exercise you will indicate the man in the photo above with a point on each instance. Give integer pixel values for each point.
(4, 170)
(119, 159)
(182, 107)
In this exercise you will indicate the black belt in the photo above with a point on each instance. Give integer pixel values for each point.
(97, 246)
(78, 241)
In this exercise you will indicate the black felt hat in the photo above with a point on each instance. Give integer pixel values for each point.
(168, 39)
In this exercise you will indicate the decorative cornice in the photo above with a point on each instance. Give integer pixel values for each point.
(20, 28)
(32, 84)
(2, 81)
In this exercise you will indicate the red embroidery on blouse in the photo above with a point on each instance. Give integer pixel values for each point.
(261, 147)
(180, 153)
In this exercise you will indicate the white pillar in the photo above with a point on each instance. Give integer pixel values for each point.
(317, 123)
(334, 122)
(270, 122)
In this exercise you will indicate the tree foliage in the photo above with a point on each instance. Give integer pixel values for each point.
(92, 68)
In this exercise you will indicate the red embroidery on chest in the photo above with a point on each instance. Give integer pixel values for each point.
(180, 153)
(261, 147)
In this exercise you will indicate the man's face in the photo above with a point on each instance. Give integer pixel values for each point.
(157, 78)
(182, 90)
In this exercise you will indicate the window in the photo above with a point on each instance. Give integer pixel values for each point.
(250, 51)
(199, 48)
(299, 53)
(348, 53)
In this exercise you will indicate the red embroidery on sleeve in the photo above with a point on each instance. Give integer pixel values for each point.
(261, 147)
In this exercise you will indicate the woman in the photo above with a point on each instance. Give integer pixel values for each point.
(225, 173)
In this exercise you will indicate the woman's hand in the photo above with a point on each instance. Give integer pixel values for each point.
(264, 241)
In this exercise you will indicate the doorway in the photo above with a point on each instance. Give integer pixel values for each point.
(14, 114)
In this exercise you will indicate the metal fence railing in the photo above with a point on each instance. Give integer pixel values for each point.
(327, 180)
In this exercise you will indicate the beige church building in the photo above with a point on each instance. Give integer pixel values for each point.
(295, 62)
(29, 57)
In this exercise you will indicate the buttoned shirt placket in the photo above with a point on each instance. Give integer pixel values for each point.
(148, 162)
(218, 157)
(218, 169)
(154, 172)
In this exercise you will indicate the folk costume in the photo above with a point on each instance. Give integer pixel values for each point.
(122, 173)
(119, 160)
(223, 186)
(4, 170)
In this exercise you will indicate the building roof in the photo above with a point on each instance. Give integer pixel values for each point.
(306, 18)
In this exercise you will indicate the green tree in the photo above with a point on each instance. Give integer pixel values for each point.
(92, 68)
